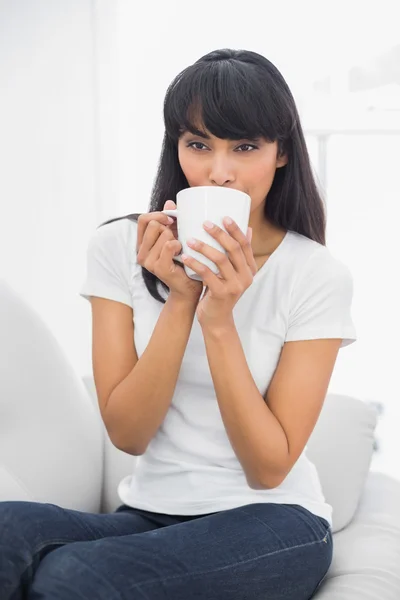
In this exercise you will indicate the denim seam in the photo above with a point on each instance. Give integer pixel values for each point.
(51, 543)
(311, 522)
(326, 532)
(262, 522)
(268, 554)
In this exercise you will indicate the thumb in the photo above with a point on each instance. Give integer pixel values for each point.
(170, 204)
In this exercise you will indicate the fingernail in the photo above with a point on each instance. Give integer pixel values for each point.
(228, 220)
(208, 225)
(249, 233)
(170, 220)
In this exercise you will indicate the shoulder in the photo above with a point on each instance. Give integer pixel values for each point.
(120, 231)
(316, 279)
(116, 238)
(320, 296)
(315, 264)
(111, 261)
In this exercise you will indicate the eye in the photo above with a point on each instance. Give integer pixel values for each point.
(251, 146)
(243, 148)
(193, 144)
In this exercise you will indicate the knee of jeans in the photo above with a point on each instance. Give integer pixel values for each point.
(21, 525)
(58, 576)
(13, 519)
(71, 565)
(60, 563)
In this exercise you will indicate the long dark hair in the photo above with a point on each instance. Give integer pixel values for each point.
(238, 94)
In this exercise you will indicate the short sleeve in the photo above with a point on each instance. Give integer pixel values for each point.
(321, 301)
(110, 253)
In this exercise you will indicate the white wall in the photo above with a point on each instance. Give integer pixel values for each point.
(52, 184)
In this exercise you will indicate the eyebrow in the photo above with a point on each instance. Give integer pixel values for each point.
(204, 136)
(197, 133)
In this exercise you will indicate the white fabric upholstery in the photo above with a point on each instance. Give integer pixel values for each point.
(51, 443)
(54, 448)
(341, 448)
(366, 557)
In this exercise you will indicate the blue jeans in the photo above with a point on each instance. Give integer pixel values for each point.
(258, 551)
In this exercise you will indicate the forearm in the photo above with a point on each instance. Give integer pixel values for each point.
(256, 435)
(138, 405)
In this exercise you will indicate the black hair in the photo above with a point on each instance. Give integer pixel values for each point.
(238, 94)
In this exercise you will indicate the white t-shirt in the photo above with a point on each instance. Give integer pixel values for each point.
(302, 292)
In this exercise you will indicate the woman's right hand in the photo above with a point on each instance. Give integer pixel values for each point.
(156, 247)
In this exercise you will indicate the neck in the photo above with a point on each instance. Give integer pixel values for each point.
(266, 237)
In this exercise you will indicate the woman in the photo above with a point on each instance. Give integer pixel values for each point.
(216, 392)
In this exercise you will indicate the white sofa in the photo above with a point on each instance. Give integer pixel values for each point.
(53, 448)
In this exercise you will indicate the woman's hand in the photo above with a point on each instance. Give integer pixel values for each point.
(156, 247)
(236, 271)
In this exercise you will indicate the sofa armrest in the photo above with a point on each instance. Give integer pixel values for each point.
(51, 445)
(366, 555)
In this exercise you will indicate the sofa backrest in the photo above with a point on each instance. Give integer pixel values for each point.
(341, 447)
(51, 441)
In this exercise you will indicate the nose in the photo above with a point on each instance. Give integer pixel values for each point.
(221, 172)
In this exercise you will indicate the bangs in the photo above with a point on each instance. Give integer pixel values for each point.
(229, 99)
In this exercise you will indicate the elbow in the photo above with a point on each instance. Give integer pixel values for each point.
(131, 446)
(263, 485)
(265, 481)
(124, 442)
(132, 449)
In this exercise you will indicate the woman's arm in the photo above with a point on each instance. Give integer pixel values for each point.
(268, 434)
(134, 408)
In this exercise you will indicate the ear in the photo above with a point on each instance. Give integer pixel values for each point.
(281, 161)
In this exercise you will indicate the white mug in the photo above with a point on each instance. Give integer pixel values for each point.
(207, 203)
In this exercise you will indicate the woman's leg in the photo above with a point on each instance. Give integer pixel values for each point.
(30, 530)
(259, 551)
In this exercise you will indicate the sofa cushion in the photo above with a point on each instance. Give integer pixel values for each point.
(341, 448)
(51, 443)
(366, 554)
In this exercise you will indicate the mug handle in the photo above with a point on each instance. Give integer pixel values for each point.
(173, 212)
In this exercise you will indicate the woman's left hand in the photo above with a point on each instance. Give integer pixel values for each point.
(236, 271)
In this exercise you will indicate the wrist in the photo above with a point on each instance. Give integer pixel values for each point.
(220, 330)
(181, 302)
